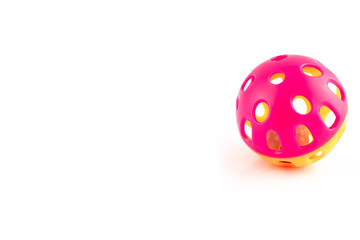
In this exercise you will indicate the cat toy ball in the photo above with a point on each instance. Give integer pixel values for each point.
(291, 110)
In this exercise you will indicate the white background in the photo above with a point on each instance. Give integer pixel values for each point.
(117, 121)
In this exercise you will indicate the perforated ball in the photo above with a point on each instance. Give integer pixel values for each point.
(291, 110)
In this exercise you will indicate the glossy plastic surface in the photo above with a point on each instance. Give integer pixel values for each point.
(298, 76)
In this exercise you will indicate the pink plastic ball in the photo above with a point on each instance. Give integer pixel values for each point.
(283, 110)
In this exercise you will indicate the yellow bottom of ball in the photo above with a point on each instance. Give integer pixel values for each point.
(311, 157)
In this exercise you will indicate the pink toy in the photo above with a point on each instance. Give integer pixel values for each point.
(283, 133)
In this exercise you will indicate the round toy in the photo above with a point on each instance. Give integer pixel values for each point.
(291, 110)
